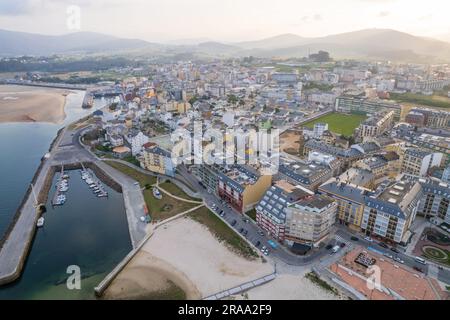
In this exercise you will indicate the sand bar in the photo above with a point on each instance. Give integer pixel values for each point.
(32, 104)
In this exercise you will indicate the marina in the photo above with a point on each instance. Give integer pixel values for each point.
(94, 184)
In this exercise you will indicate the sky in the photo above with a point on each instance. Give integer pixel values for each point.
(223, 20)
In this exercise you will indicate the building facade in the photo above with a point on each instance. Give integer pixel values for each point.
(309, 221)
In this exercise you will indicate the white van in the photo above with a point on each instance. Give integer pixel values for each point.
(420, 260)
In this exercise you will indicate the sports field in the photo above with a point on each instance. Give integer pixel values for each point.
(339, 123)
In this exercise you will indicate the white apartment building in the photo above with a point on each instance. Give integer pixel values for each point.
(136, 141)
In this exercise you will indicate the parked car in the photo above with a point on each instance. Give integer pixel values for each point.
(241, 230)
(382, 244)
(257, 243)
(399, 260)
(368, 239)
(329, 246)
(245, 232)
(260, 233)
(418, 269)
(245, 220)
(394, 250)
(388, 255)
(342, 244)
(233, 223)
(353, 238)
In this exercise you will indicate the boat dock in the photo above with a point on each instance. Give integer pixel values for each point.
(62, 186)
(91, 180)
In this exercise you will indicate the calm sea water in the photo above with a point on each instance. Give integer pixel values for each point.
(87, 231)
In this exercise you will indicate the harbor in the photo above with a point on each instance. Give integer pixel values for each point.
(65, 154)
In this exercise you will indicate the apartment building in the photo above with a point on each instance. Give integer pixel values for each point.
(429, 118)
(242, 186)
(136, 140)
(361, 105)
(418, 162)
(390, 214)
(381, 165)
(158, 160)
(376, 125)
(306, 174)
(271, 210)
(309, 220)
(350, 200)
(435, 201)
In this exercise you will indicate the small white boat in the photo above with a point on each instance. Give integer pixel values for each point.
(40, 222)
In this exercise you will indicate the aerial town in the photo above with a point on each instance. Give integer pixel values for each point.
(359, 174)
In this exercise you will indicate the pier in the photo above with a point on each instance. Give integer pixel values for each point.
(68, 152)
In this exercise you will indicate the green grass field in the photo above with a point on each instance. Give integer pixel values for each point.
(339, 123)
(434, 101)
(167, 206)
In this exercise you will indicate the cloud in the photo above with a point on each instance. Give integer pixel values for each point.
(383, 14)
(17, 7)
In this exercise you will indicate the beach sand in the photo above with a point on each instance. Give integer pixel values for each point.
(288, 287)
(32, 104)
(187, 254)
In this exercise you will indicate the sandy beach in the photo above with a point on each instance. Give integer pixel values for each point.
(288, 287)
(32, 104)
(187, 254)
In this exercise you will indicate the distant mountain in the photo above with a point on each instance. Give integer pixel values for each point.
(212, 47)
(281, 41)
(367, 44)
(381, 44)
(444, 37)
(21, 43)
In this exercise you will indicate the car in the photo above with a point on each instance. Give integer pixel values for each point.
(329, 246)
(233, 222)
(369, 239)
(257, 243)
(418, 269)
(388, 255)
(342, 244)
(241, 230)
(245, 232)
(245, 220)
(399, 260)
(394, 250)
(266, 252)
(384, 245)
(260, 233)
(263, 248)
(353, 238)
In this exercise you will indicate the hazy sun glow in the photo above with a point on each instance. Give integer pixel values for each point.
(227, 20)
